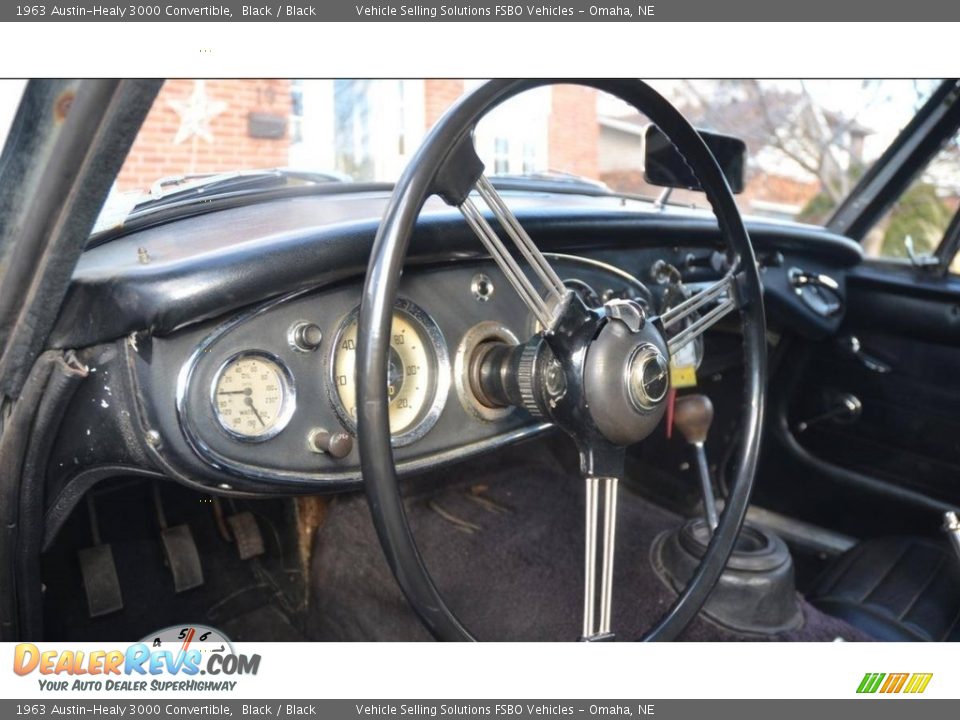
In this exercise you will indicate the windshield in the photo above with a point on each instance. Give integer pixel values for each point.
(808, 141)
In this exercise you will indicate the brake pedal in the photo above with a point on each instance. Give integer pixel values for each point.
(241, 529)
(179, 549)
(99, 571)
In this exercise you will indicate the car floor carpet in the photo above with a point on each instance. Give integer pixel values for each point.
(505, 548)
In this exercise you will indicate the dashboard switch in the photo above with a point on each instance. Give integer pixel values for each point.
(305, 336)
(337, 444)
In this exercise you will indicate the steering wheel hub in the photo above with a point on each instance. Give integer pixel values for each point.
(625, 381)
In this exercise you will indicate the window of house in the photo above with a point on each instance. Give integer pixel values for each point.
(529, 157)
(352, 128)
(501, 155)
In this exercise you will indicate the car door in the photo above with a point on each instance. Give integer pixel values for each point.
(866, 424)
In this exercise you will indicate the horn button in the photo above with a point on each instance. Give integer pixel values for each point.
(647, 378)
(626, 378)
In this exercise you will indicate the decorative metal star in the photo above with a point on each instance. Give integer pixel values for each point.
(195, 113)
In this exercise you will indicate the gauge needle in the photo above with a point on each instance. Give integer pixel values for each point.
(248, 401)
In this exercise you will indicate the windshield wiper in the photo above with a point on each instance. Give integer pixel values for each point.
(552, 180)
(190, 194)
(180, 188)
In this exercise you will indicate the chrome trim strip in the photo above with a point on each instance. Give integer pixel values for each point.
(599, 265)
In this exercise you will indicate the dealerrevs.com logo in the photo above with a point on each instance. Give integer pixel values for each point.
(890, 683)
(170, 659)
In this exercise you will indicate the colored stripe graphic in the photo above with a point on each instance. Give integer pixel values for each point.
(870, 682)
(918, 682)
(893, 683)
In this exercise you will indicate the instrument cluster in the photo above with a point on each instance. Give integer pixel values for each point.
(270, 395)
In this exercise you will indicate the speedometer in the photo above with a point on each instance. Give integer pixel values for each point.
(418, 373)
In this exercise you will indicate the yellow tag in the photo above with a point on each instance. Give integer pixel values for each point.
(683, 377)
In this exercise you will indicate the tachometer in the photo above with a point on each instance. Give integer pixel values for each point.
(253, 396)
(418, 374)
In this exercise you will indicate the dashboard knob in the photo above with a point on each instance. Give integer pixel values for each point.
(337, 444)
(305, 336)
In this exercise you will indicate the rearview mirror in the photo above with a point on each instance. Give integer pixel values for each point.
(664, 166)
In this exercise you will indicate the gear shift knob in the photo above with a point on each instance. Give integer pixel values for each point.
(692, 415)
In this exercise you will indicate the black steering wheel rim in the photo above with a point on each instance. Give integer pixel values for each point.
(417, 183)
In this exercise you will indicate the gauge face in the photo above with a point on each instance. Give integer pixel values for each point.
(417, 374)
(195, 637)
(253, 396)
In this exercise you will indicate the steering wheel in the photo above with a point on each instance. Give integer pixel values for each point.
(601, 375)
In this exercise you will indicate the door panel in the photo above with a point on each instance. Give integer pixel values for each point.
(908, 432)
(906, 375)
(897, 465)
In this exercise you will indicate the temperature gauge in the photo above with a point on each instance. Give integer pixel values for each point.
(253, 396)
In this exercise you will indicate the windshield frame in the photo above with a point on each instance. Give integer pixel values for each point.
(934, 124)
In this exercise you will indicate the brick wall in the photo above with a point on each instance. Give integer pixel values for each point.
(780, 189)
(438, 95)
(574, 132)
(155, 154)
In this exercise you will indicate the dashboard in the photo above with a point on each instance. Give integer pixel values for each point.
(227, 360)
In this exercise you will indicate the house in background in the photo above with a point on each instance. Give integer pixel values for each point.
(364, 129)
(369, 129)
(208, 126)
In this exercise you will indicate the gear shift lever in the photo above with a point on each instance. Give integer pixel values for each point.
(692, 415)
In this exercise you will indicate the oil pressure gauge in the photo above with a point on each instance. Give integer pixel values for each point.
(253, 396)
(418, 374)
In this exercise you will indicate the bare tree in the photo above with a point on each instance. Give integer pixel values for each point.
(820, 141)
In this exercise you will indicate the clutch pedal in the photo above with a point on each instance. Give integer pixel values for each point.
(179, 550)
(100, 580)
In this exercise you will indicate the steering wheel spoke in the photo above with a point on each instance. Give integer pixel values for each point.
(546, 304)
(601, 465)
(688, 315)
(601, 521)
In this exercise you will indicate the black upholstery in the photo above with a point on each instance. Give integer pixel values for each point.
(895, 588)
